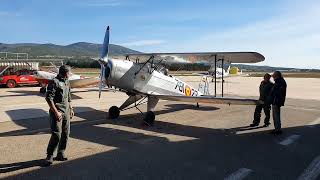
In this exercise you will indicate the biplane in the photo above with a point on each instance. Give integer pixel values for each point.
(142, 77)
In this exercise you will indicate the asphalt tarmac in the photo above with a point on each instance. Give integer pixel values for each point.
(186, 142)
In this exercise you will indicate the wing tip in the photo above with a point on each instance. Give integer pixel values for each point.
(260, 57)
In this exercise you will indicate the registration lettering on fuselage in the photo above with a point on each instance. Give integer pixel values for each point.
(185, 89)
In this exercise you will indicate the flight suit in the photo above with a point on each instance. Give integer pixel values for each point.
(58, 91)
(265, 92)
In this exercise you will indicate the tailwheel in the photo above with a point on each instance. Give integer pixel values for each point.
(149, 118)
(114, 112)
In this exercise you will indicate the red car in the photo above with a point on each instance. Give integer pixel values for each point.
(21, 77)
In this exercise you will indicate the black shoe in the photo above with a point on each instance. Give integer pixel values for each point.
(48, 160)
(276, 132)
(60, 157)
(254, 125)
(266, 124)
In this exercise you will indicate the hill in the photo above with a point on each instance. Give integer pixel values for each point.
(79, 55)
(80, 49)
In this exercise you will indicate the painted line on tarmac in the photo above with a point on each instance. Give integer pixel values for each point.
(47, 129)
(315, 122)
(239, 174)
(289, 140)
(313, 170)
(300, 108)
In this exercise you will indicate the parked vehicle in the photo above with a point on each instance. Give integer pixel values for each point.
(12, 78)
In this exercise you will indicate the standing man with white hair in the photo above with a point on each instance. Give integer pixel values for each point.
(278, 93)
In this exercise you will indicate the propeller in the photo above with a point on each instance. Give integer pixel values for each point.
(103, 61)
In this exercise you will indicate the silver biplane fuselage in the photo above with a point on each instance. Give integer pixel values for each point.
(145, 79)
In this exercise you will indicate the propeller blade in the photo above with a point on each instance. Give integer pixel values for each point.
(104, 60)
(102, 76)
(105, 47)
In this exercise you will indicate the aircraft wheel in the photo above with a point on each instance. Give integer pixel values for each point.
(149, 118)
(114, 112)
(43, 90)
(11, 83)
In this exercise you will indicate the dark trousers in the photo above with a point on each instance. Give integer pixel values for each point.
(59, 133)
(276, 116)
(257, 113)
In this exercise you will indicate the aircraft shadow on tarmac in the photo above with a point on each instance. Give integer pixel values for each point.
(23, 93)
(30, 124)
(5, 168)
(245, 128)
(211, 154)
(19, 113)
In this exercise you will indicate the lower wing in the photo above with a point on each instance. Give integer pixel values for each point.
(209, 99)
(212, 76)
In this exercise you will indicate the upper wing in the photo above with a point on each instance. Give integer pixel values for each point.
(209, 99)
(209, 57)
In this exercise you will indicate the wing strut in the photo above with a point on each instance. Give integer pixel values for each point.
(215, 75)
(222, 61)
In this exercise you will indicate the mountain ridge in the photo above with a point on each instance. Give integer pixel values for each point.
(77, 49)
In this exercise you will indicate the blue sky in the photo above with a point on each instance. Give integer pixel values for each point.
(286, 32)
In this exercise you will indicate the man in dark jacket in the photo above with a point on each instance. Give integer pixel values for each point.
(278, 93)
(265, 92)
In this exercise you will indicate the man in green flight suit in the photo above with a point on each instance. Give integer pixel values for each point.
(58, 98)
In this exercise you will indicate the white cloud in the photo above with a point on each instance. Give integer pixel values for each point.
(288, 40)
(143, 43)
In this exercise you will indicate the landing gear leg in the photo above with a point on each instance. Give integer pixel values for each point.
(150, 116)
(114, 112)
(198, 105)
